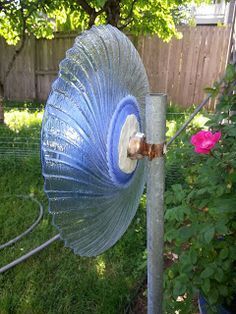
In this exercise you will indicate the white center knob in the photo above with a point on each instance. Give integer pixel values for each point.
(130, 127)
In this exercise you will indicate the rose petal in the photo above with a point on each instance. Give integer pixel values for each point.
(200, 150)
(197, 138)
(207, 144)
(204, 141)
(193, 139)
(206, 133)
(217, 136)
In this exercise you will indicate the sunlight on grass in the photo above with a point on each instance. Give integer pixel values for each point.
(17, 120)
(101, 266)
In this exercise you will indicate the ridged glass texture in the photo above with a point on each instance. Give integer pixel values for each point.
(89, 208)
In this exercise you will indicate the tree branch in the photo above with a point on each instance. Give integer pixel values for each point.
(112, 10)
(121, 27)
(23, 36)
(18, 50)
(89, 10)
(86, 7)
(131, 11)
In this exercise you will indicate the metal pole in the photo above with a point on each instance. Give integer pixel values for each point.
(155, 133)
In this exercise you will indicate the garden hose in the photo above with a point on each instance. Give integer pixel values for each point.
(12, 241)
(29, 254)
(37, 249)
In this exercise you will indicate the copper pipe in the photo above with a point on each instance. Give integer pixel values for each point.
(138, 148)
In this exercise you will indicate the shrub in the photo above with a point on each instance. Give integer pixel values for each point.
(199, 217)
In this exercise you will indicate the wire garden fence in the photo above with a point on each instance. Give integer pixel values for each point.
(21, 140)
(26, 142)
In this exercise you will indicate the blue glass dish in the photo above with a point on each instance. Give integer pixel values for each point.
(101, 81)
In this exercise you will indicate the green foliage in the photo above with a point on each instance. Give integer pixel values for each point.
(18, 18)
(200, 215)
(43, 18)
(152, 17)
(180, 152)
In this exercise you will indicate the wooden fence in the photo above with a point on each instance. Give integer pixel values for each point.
(181, 68)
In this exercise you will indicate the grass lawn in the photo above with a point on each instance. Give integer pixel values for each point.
(55, 280)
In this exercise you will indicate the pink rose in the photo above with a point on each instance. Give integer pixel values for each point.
(204, 141)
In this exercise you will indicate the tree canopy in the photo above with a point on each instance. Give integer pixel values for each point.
(42, 18)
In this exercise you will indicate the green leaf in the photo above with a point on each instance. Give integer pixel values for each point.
(224, 253)
(175, 213)
(186, 232)
(170, 274)
(213, 296)
(193, 256)
(232, 177)
(209, 234)
(233, 118)
(231, 131)
(230, 73)
(233, 251)
(223, 290)
(226, 203)
(179, 192)
(208, 272)
(170, 235)
(221, 227)
(179, 287)
(183, 278)
(219, 274)
(186, 267)
(211, 90)
(101, 2)
(206, 286)
(226, 265)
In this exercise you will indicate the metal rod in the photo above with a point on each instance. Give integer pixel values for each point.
(155, 133)
(204, 102)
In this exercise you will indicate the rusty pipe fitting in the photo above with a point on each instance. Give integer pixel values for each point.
(138, 148)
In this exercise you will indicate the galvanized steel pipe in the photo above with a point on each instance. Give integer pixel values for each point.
(155, 133)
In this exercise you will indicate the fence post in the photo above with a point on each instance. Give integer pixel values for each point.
(155, 133)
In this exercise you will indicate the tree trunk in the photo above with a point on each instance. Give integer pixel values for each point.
(112, 10)
(1, 103)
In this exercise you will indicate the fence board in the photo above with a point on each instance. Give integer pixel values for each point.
(20, 83)
(181, 68)
(184, 67)
(49, 55)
